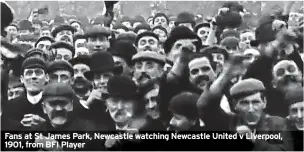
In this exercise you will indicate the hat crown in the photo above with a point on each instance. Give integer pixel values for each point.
(100, 60)
(121, 86)
(58, 89)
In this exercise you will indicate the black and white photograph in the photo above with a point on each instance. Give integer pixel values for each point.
(152, 75)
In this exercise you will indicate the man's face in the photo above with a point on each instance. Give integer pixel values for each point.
(178, 46)
(294, 19)
(252, 54)
(219, 59)
(296, 114)
(44, 45)
(61, 76)
(203, 33)
(151, 103)
(12, 31)
(37, 27)
(127, 24)
(180, 123)
(80, 82)
(63, 54)
(120, 61)
(65, 36)
(121, 110)
(81, 51)
(171, 24)
(15, 92)
(148, 43)
(57, 111)
(189, 25)
(201, 72)
(245, 40)
(286, 74)
(161, 34)
(150, 22)
(80, 43)
(34, 79)
(250, 108)
(146, 70)
(101, 79)
(161, 20)
(98, 43)
(45, 33)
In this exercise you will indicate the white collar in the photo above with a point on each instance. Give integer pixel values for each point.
(34, 99)
(121, 128)
(84, 104)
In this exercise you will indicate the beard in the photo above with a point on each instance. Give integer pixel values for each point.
(59, 118)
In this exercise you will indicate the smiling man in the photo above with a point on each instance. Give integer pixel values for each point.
(34, 78)
(64, 33)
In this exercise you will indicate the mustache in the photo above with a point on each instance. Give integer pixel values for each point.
(148, 48)
(61, 113)
(142, 76)
(201, 78)
(289, 79)
(65, 37)
(81, 81)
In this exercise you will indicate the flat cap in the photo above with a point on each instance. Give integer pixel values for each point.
(81, 59)
(58, 91)
(65, 45)
(60, 65)
(247, 86)
(44, 38)
(61, 28)
(35, 51)
(230, 42)
(149, 55)
(97, 31)
(33, 62)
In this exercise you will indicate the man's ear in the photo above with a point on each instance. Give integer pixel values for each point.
(47, 78)
(43, 107)
(21, 79)
(265, 103)
(274, 83)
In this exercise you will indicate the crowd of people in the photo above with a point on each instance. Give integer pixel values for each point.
(177, 73)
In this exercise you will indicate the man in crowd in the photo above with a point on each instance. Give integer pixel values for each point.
(63, 33)
(147, 41)
(98, 39)
(62, 51)
(60, 71)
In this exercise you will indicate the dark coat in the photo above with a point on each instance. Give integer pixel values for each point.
(275, 105)
(297, 136)
(15, 110)
(220, 121)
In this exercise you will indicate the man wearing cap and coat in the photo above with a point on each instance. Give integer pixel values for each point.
(295, 118)
(57, 102)
(34, 77)
(126, 109)
(248, 101)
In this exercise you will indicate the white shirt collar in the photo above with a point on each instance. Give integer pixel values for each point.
(121, 128)
(34, 99)
(84, 104)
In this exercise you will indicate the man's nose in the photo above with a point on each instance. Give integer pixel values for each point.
(251, 109)
(58, 108)
(172, 122)
(151, 105)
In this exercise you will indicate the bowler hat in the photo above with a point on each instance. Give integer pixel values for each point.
(143, 26)
(124, 50)
(185, 17)
(122, 86)
(178, 33)
(102, 62)
(25, 25)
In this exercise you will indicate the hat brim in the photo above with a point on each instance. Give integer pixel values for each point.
(77, 60)
(117, 70)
